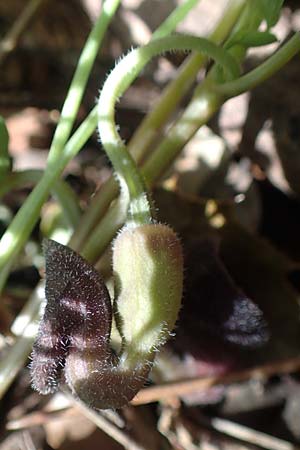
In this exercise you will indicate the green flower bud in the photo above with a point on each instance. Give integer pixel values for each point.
(148, 271)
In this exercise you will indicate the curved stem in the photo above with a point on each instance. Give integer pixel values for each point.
(147, 131)
(117, 82)
(206, 100)
(264, 71)
(175, 91)
(203, 107)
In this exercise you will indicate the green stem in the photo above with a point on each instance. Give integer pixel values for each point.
(104, 234)
(175, 91)
(205, 102)
(78, 84)
(171, 22)
(24, 221)
(117, 82)
(14, 361)
(25, 327)
(201, 111)
(155, 119)
(9, 42)
(67, 198)
(264, 71)
(21, 226)
(5, 163)
(60, 190)
(97, 210)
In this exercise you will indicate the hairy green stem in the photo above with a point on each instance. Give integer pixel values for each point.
(115, 217)
(205, 102)
(117, 82)
(155, 119)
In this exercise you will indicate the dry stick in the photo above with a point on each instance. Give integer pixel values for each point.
(121, 436)
(54, 412)
(231, 433)
(38, 418)
(10, 41)
(101, 420)
(246, 434)
(180, 388)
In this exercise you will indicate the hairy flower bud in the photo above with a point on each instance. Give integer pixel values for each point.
(148, 268)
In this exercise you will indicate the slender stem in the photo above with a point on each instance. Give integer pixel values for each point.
(4, 155)
(26, 330)
(263, 71)
(175, 91)
(204, 104)
(60, 190)
(14, 361)
(97, 210)
(10, 41)
(173, 19)
(78, 84)
(103, 235)
(25, 219)
(201, 111)
(206, 100)
(117, 82)
(155, 119)
(67, 198)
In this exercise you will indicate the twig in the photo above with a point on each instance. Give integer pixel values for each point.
(103, 420)
(10, 41)
(120, 436)
(250, 436)
(180, 388)
(228, 433)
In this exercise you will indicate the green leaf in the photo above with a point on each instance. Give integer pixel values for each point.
(257, 39)
(251, 39)
(271, 11)
(5, 162)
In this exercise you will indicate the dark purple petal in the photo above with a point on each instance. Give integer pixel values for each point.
(77, 316)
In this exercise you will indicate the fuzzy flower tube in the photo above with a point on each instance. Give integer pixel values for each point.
(73, 344)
